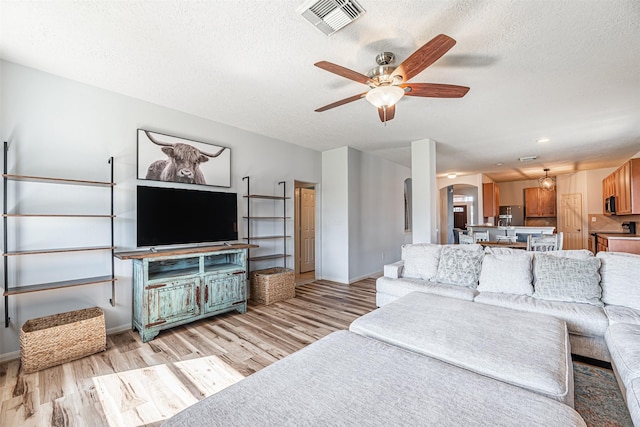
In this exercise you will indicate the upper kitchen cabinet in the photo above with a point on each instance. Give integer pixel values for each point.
(624, 186)
(539, 203)
(490, 199)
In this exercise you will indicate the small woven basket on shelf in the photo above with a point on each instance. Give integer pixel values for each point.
(59, 338)
(272, 285)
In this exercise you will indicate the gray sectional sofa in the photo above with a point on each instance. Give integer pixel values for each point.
(436, 352)
(597, 296)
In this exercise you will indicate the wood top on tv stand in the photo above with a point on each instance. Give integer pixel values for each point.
(147, 253)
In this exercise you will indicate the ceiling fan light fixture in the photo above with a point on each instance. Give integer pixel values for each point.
(547, 183)
(384, 96)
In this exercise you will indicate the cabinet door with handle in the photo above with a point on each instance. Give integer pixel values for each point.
(223, 291)
(172, 301)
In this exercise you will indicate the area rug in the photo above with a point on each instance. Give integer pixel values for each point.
(598, 398)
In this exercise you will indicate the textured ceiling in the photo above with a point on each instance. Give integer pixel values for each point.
(567, 70)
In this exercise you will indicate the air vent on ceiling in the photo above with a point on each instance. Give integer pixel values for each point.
(528, 158)
(330, 15)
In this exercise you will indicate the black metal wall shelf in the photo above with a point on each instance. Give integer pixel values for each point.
(249, 238)
(22, 289)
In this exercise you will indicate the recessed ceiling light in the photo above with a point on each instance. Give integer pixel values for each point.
(542, 140)
(499, 164)
(452, 176)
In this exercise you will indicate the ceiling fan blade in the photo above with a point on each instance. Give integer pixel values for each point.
(341, 102)
(387, 115)
(435, 90)
(423, 57)
(344, 72)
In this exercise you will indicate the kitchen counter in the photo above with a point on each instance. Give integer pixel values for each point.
(495, 230)
(618, 242)
(620, 236)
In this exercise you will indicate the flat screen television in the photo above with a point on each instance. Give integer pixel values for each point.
(172, 216)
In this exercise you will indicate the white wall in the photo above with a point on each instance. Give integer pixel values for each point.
(363, 213)
(335, 215)
(57, 127)
(594, 184)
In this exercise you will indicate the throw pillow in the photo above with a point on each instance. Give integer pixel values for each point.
(572, 253)
(567, 279)
(620, 278)
(420, 260)
(508, 273)
(459, 266)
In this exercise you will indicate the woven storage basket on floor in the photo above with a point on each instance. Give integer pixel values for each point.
(272, 285)
(59, 338)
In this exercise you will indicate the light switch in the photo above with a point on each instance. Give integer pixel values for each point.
(593, 219)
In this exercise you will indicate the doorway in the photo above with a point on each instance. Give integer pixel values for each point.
(460, 217)
(305, 232)
(570, 221)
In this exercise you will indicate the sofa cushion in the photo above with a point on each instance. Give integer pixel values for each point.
(623, 341)
(567, 279)
(620, 282)
(622, 314)
(530, 350)
(582, 319)
(403, 286)
(509, 273)
(421, 260)
(460, 266)
(633, 401)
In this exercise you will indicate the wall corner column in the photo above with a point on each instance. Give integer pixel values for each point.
(425, 191)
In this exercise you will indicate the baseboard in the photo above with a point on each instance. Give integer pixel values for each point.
(13, 355)
(7, 357)
(366, 276)
(118, 329)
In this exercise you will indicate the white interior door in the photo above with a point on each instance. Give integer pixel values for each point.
(307, 230)
(571, 221)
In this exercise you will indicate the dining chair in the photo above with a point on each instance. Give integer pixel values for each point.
(466, 239)
(508, 236)
(544, 243)
(481, 236)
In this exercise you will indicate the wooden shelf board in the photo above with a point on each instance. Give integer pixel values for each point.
(59, 250)
(260, 196)
(266, 257)
(57, 180)
(57, 285)
(266, 237)
(60, 215)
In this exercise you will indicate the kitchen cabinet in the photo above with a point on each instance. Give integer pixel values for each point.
(176, 286)
(490, 200)
(619, 243)
(624, 185)
(539, 203)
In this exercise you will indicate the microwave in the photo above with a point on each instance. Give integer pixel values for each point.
(610, 205)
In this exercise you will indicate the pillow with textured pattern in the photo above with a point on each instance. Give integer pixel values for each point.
(459, 266)
(567, 279)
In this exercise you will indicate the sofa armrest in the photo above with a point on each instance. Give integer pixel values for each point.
(394, 271)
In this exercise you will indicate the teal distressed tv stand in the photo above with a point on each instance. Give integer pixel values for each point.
(176, 286)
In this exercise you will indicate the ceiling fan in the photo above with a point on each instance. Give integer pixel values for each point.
(388, 84)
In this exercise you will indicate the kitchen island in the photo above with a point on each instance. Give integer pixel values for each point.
(618, 242)
(495, 230)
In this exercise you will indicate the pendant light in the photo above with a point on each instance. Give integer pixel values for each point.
(547, 183)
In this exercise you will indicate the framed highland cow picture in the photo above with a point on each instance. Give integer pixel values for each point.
(172, 159)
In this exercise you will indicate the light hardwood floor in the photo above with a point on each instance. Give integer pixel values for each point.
(136, 384)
